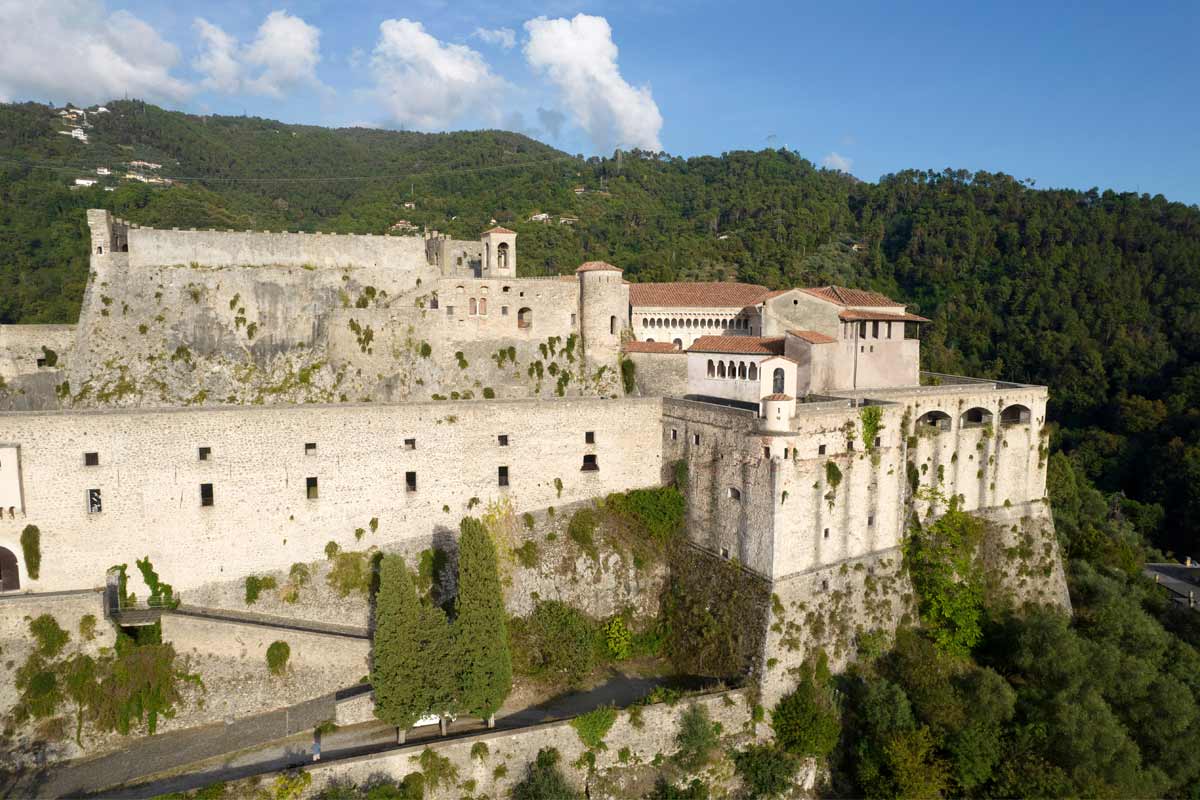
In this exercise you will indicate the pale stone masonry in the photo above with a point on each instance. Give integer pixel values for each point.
(203, 413)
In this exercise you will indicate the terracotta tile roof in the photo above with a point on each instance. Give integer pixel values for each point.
(747, 345)
(592, 266)
(717, 294)
(498, 229)
(778, 397)
(851, 297)
(650, 347)
(851, 315)
(812, 337)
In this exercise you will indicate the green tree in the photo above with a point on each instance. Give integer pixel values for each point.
(411, 649)
(544, 780)
(805, 721)
(481, 653)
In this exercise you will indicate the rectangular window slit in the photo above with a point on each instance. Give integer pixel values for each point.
(205, 452)
(310, 448)
(589, 437)
(502, 440)
(206, 494)
(410, 481)
(91, 459)
(410, 444)
(310, 488)
(94, 504)
(502, 476)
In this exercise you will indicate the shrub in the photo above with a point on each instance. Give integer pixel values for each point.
(628, 375)
(556, 643)
(696, 739)
(696, 790)
(41, 693)
(618, 639)
(331, 549)
(582, 530)
(766, 771)
(31, 549)
(544, 780)
(426, 350)
(593, 726)
(480, 750)
(527, 554)
(277, 657)
(351, 573)
(805, 721)
(292, 785)
(299, 574)
(255, 586)
(833, 475)
(655, 513)
(436, 769)
(87, 627)
(489, 393)
(529, 521)
(51, 639)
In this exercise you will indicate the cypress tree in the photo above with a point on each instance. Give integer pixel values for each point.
(482, 657)
(411, 651)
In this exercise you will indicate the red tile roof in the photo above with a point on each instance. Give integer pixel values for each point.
(498, 229)
(747, 345)
(851, 297)
(690, 294)
(778, 397)
(851, 315)
(592, 266)
(650, 347)
(813, 337)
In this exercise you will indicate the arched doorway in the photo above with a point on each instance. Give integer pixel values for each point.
(10, 575)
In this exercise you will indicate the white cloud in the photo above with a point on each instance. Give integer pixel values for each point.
(283, 55)
(839, 162)
(579, 57)
(551, 120)
(75, 50)
(423, 83)
(505, 37)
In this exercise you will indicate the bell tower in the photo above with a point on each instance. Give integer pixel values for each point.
(499, 253)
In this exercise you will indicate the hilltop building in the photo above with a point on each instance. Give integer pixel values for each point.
(806, 425)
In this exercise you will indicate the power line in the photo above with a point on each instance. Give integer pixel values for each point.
(51, 165)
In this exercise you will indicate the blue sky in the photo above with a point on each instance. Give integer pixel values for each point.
(1069, 94)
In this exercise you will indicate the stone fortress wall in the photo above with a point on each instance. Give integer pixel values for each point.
(364, 458)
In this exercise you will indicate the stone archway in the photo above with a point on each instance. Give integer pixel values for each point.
(10, 574)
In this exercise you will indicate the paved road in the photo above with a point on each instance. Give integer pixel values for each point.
(168, 751)
(1178, 579)
(202, 763)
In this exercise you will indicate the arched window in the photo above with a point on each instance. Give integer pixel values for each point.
(742, 370)
(525, 318)
(100, 250)
(644, 322)
(433, 302)
(734, 494)
(753, 372)
(720, 369)
(712, 370)
(474, 307)
(502, 255)
(460, 289)
(678, 343)
(483, 306)
(612, 324)
(777, 381)
(1015, 415)
(10, 574)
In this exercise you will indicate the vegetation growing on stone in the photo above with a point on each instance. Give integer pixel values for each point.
(696, 739)
(544, 780)
(255, 585)
(805, 721)
(31, 550)
(277, 657)
(594, 725)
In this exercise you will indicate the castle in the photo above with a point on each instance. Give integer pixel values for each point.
(229, 402)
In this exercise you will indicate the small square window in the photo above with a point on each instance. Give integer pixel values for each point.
(41, 362)
(502, 476)
(589, 464)
(205, 453)
(589, 437)
(449, 311)
(502, 440)
(310, 448)
(504, 309)
(91, 459)
(506, 289)
(410, 481)
(93, 501)
(410, 444)
(310, 488)
(821, 450)
(695, 438)
(206, 494)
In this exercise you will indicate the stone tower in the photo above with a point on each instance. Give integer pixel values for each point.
(603, 310)
(499, 253)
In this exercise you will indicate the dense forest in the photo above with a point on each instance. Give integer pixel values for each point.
(1095, 294)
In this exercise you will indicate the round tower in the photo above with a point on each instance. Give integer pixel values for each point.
(777, 412)
(603, 310)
